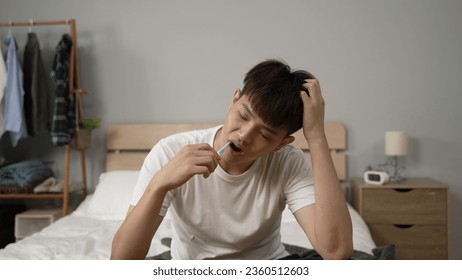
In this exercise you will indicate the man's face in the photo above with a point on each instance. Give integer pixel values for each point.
(251, 137)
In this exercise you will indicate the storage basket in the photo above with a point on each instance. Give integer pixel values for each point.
(16, 189)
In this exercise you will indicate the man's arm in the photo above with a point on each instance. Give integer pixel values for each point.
(133, 239)
(327, 223)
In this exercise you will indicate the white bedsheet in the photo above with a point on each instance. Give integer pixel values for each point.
(74, 237)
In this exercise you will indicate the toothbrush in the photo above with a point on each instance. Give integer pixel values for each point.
(223, 149)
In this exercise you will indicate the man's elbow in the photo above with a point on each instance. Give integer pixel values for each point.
(115, 252)
(341, 252)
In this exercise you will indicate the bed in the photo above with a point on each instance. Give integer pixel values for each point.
(87, 232)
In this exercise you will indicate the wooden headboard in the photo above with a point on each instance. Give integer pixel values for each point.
(128, 144)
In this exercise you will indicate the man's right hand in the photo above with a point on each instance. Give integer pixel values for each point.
(195, 159)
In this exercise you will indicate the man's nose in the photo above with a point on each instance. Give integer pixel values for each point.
(245, 134)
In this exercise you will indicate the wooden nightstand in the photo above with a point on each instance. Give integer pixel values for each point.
(412, 215)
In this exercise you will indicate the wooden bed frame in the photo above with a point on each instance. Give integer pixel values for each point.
(128, 144)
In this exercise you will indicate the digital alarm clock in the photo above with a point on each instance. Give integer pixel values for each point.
(376, 177)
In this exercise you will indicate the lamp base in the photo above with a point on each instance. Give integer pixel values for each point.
(396, 170)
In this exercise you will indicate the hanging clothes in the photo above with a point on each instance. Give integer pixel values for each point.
(13, 108)
(2, 91)
(38, 95)
(63, 128)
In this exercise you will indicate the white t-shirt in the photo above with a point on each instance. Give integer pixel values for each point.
(230, 216)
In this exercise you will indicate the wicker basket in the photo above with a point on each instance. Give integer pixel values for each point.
(16, 189)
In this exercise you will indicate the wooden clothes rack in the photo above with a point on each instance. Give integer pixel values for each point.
(74, 88)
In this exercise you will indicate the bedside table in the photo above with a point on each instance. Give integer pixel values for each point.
(412, 215)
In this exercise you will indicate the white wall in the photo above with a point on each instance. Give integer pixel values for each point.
(382, 65)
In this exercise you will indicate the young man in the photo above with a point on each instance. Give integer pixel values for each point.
(230, 206)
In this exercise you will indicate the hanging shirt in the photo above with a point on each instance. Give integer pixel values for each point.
(63, 127)
(13, 107)
(2, 91)
(37, 94)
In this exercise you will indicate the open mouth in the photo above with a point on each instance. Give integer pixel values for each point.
(235, 148)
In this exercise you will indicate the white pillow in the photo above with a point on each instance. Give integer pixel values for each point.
(112, 195)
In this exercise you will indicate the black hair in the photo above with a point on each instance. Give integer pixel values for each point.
(274, 90)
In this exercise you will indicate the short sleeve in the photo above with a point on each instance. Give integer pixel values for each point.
(154, 161)
(299, 191)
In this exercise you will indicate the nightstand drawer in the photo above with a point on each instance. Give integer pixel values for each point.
(414, 242)
(404, 206)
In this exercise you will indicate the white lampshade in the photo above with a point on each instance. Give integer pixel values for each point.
(395, 143)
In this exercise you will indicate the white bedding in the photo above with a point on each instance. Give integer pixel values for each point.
(87, 232)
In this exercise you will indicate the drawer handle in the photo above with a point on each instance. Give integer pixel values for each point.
(403, 226)
(402, 190)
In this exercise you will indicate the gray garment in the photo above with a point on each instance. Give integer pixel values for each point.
(386, 252)
(38, 96)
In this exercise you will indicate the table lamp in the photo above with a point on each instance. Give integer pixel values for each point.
(395, 146)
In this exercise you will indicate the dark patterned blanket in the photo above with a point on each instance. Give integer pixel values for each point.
(386, 252)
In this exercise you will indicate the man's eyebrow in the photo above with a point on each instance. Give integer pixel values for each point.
(269, 128)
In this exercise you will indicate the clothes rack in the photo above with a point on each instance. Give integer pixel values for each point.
(74, 88)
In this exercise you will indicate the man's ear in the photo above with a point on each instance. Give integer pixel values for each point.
(286, 141)
(237, 95)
